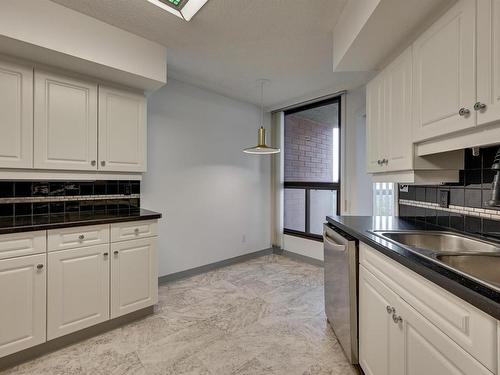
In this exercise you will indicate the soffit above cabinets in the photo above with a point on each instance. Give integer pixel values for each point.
(370, 33)
(63, 38)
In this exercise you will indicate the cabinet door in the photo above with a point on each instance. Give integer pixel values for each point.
(375, 122)
(134, 276)
(65, 123)
(78, 289)
(16, 116)
(488, 60)
(122, 131)
(444, 74)
(398, 107)
(23, 296)
(427, 350)
(377, 337)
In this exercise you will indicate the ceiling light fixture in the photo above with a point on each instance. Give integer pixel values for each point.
(262, 148)
(184, 9)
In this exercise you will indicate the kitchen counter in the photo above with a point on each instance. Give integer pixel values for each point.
(13, 224)
(479, 295)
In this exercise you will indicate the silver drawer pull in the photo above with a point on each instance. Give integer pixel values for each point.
(39, 266)
(390, 309)
(136, 230)
(81, 237)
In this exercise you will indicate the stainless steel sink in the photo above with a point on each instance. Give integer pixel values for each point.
(469, 256)
(482, 267)
(440, 242)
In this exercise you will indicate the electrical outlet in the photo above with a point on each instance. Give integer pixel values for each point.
(444, 198)
(403, 188)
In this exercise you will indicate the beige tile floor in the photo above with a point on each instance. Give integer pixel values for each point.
(263, 316)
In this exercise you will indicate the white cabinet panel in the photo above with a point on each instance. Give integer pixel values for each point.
(488, 61)
(23, 301)
(78, 289)
(16, 116)
(122, 130)
(134, 276)
(69, 238)
(20, 244)
(444, 73)
(427, 350)
(132, 230)
(65, 123)
(376, 341)
(398, 107)
(375, 123)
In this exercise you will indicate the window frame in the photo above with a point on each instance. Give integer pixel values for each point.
(307, 186)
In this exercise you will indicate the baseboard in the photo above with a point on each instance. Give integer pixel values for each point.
(212, 266)
(72, 338)
(300, 257)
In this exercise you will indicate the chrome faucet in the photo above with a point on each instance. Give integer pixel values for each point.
(495, 190)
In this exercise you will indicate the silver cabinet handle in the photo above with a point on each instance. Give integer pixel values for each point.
(464, 112)
(385, 161)
(103, 163)
(136, 231)
(39, 266)
(105, 254)
(390, 309)
(81, 237)
(396, 318)
(115, 252)
(93, 163)
(479, 106)
(379, 162)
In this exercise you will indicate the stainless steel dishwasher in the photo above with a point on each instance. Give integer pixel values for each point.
(341, 288)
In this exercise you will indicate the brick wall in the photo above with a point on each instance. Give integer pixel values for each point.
(308, 150)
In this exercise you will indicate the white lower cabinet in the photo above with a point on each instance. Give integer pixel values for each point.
(23, 303)
(78, 289)
(134, 275)
(396, 339)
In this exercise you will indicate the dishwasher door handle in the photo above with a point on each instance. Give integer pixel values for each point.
(332, 245)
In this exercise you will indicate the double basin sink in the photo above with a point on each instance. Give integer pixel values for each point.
(470, 256)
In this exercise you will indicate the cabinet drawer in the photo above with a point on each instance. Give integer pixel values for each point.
(69, 238)
(132, 230)
(19, 244)
(472, 329)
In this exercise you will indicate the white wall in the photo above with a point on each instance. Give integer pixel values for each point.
(215, 199)
(357, 182)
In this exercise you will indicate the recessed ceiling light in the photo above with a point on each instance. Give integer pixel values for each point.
(184, 9)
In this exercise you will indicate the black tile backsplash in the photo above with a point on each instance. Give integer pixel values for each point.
(472, 190)
(53, 189)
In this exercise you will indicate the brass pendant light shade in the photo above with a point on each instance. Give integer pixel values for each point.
(262, 148)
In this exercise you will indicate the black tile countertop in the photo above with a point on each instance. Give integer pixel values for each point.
(477, 294)
(13, 224)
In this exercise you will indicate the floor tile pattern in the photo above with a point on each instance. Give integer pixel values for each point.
(263, 316)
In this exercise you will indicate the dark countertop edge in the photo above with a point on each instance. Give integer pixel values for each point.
(450, 281)
(145, 215)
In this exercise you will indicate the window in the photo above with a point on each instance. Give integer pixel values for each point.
(311, 167)
(383, 199)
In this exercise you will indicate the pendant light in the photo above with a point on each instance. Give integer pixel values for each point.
(262, 148)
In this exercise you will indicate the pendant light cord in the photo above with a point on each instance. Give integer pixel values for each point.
(262, 103)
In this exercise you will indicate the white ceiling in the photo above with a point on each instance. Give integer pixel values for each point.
(229, 44)
(325, 115)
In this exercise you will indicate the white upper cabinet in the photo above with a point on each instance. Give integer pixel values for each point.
(16, 115)
(375, 122)
(488, 61)
(122, 130)
(444, 84)
(65, 123)
(398, 94)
